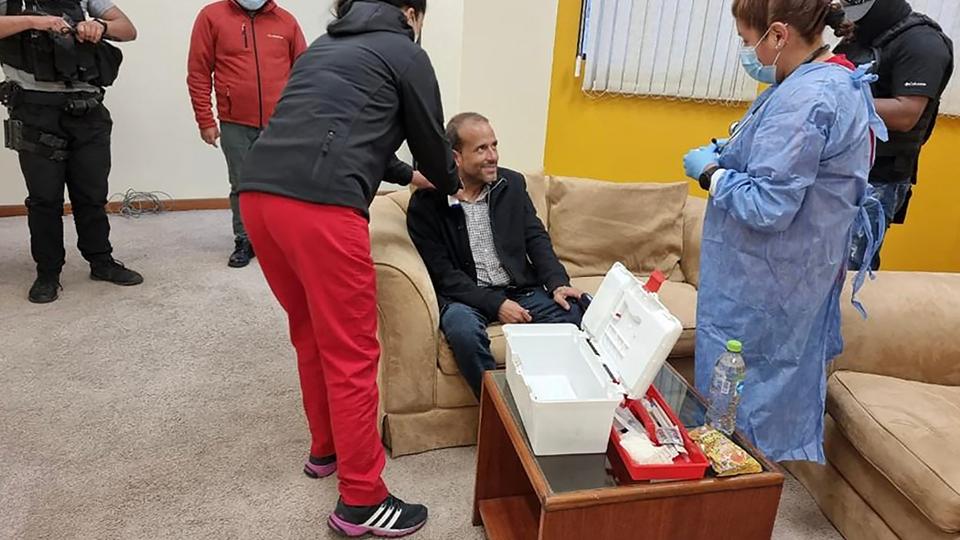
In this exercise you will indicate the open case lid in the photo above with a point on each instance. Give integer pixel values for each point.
(631, 330)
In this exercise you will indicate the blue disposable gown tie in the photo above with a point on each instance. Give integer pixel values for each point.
(776, 241)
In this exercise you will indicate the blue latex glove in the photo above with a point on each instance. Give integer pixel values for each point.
(721, 144)
(696, 161)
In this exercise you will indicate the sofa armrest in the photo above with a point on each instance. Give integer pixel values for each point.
(408, 313)
(912, 328)
(693, 214)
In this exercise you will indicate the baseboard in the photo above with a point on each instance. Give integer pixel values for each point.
(176, 205)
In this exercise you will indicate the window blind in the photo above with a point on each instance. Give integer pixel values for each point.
(687, 49)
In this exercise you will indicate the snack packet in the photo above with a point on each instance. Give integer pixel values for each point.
(726, 458)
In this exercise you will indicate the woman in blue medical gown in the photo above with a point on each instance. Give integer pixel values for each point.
(786, 192)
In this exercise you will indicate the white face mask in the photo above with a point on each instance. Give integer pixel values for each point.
(251, 5)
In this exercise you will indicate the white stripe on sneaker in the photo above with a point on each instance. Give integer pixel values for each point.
(375, 517)
(396, 518)
(386, 518)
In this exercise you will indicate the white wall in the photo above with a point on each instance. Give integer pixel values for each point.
(492, 56)
(443, 40)
(507, 67)
(156, 145)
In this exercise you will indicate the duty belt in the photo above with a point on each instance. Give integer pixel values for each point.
(75, 103)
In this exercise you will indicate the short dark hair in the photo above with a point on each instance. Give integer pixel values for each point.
(420, 6)
(457, 122)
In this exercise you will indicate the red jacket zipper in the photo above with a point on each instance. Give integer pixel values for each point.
(256, 57)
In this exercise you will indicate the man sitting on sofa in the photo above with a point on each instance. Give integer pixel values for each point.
(487, 252)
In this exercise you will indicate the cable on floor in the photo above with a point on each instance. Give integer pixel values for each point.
(134, 204)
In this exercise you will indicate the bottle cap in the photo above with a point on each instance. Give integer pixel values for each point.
(734, 346)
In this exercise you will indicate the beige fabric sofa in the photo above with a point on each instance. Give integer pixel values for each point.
(425, 404)
(893, 398)
(893, 415)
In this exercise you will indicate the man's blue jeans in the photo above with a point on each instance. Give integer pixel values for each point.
(466, 330)
(892, 198)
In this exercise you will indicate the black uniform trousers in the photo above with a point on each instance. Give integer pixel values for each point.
(84, 173)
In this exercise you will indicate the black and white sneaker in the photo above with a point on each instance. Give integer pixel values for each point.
(393, 518)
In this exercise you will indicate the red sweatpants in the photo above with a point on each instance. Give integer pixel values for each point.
(317, 261)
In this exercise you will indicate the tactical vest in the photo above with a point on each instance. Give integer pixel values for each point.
(900, 143)
(51, 57)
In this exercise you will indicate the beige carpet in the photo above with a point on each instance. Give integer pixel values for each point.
(172, 410)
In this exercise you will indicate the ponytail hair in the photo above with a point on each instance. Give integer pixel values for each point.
(341, 7)
(808, 17)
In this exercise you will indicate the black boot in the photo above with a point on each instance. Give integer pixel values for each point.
(45, 289)
(242, 253)
(115, 272)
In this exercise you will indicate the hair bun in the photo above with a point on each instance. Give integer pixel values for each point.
(837, 19)
(835, 16)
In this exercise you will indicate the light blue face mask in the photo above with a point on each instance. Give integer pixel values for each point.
(754, 67)
(252, 5)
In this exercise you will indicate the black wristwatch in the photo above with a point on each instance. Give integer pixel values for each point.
(706, 178)
(103, 23)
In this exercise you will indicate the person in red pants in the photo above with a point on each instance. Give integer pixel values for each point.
(305, 190)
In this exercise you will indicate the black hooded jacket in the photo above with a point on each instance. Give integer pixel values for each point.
(352, 99)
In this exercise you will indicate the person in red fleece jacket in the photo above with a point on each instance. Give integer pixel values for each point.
(243, 51)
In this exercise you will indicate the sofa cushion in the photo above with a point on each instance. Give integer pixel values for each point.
(680, 299)
(910, 432)
(594, 224)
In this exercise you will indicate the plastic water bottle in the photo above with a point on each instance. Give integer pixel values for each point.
(726, 388)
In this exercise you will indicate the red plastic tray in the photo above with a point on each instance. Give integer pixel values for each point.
(693, 466)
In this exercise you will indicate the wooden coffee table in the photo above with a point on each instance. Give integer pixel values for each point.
(520, 496)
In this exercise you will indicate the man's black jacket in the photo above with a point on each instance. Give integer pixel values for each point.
(439, 231)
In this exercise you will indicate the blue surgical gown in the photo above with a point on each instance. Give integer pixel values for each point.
(776, 240)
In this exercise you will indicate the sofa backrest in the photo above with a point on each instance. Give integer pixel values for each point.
(402, 198)
(594, 224)
(913, 319)
(537, 185)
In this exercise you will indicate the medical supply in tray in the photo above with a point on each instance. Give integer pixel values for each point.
(652, 444)
(726, 458)
(567, 382)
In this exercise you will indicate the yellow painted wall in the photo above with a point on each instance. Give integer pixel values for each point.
(636, 139)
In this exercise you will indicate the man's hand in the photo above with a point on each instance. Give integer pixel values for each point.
(562, 293)
(420, 181)
(90, 32)
(47, 23)
(210, 135)
(513, 313)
